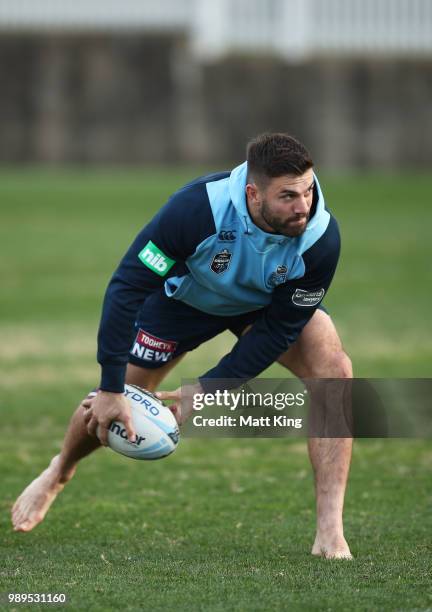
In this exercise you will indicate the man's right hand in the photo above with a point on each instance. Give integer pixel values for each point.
(105, 408)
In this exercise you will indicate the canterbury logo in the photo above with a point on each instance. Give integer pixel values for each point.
(227, 235)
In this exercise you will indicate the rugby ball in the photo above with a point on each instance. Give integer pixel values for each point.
(157, 432)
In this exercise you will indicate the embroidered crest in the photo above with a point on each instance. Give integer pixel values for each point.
(279, 276)
(221, 261)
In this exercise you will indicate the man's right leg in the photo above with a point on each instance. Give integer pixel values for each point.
(32, 505)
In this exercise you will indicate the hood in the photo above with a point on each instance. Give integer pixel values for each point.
(237, 190)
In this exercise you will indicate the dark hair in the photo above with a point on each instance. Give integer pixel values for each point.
(272, 155)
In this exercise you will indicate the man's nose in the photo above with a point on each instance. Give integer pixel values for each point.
(301, 205)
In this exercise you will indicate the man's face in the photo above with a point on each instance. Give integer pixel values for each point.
(283, 204)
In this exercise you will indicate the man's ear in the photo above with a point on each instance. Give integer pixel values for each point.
(253, 193)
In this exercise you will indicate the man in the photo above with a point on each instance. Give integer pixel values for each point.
(253, 251)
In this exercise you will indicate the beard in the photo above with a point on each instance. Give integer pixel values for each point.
(292, 226)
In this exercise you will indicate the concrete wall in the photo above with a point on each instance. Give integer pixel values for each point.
(119, 99)
(86, 99)
(350, 113)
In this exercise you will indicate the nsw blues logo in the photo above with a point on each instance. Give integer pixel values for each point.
(278, 277)
(221, 261)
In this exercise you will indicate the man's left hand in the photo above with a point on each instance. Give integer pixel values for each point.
(182, 397)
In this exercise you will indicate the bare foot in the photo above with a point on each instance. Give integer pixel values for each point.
(32, 505)
(331, 547)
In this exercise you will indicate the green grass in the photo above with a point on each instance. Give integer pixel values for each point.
(221, 524)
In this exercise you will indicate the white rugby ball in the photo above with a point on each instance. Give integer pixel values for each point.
(157, 432)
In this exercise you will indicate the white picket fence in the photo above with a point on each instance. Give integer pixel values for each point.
(94, 14)
(289, 28)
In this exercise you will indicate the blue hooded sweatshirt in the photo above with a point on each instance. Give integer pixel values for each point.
(203, 248)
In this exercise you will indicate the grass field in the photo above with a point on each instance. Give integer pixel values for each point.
(222, 524)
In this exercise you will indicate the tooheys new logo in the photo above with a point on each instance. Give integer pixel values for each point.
(155, 259)
(152, 348)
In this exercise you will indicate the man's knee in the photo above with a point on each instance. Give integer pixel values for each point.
(339, 365)
(332, 364)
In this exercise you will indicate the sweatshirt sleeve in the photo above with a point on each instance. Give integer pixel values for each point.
(158, 252)
(281, 323)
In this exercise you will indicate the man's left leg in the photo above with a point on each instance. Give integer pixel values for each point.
(318, 353)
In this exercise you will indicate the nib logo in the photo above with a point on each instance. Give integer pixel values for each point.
(155, 259)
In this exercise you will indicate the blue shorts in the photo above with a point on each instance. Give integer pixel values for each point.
(166, 328)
